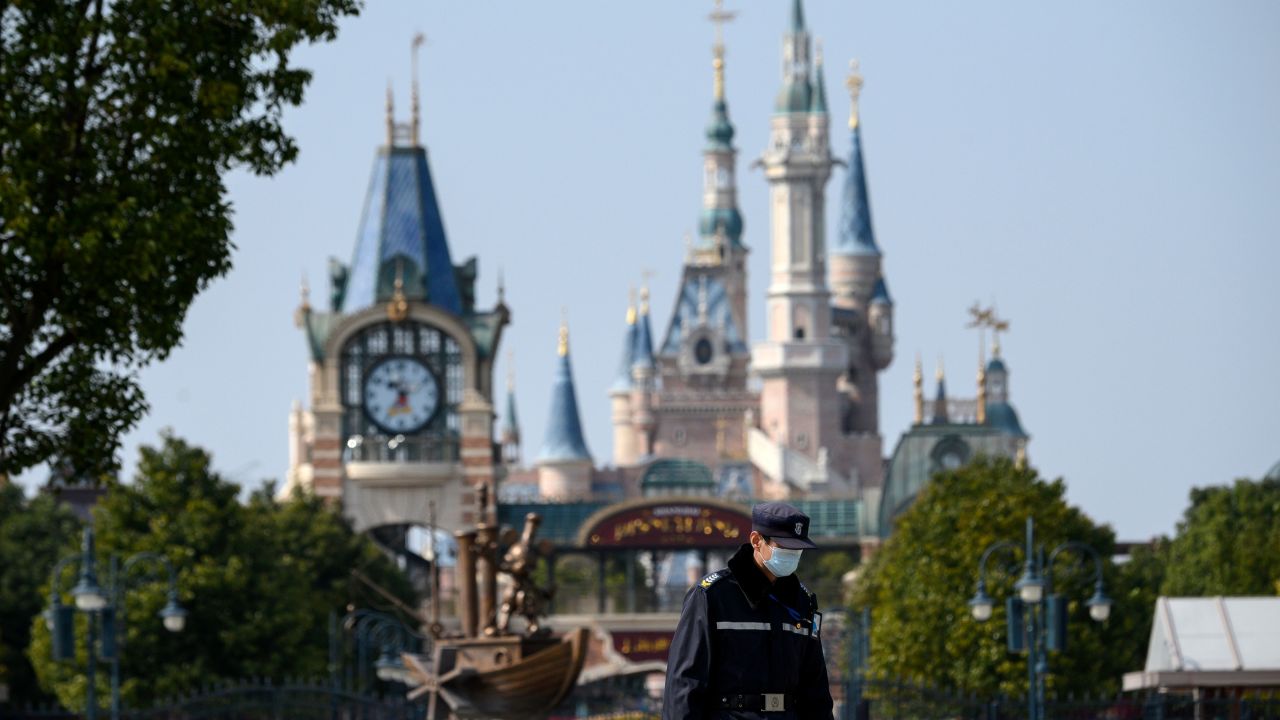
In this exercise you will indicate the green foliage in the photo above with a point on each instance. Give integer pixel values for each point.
(32, 534)
(120, 119)
(1228, 542)
(259, 580)
(919, 583)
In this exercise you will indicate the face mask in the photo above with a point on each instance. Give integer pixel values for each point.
(782, 562)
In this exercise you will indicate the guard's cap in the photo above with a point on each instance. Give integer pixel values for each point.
(782, 523)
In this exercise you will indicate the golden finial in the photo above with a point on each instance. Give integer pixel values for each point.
(391, 116)
(398, 306)
(997, 326)
(854, 83)
(415, 122)
(917, 381)
(631, 305)
(1020, 460)
(939, 374)
(644, 292)
(563, 348)
(719, 16)
(982, 390)
(304, 305)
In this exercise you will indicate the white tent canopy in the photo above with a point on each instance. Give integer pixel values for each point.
(1203, 642)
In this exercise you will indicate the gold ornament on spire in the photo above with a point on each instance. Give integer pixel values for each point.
(939, 374)
(562, 349)
(854, 83)
(917, 381)
(644, 292)
(631, 305)
(304, 303)
(719, 16)
(398, 305)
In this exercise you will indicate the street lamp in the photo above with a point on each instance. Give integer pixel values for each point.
(373, 630)
(1037, 616)
(105, 608)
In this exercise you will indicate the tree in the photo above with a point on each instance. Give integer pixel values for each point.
(33, 533)
(259, 580)
(120, 119)
(920, 581)
(1228, 542)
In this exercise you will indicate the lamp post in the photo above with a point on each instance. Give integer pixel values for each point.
(1037, 618)
(105, 607)
(374, 630)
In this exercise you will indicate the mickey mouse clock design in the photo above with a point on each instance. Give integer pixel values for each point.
(401, 395)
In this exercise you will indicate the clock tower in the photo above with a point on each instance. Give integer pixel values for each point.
(400, 412)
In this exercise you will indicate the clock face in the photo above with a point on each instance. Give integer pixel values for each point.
(401, 395)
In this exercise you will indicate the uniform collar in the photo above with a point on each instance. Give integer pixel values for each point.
(753, 582)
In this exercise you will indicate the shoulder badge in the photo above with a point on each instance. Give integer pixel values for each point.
(709, 580)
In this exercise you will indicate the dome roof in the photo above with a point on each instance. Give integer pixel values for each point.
(1003, 417)
(996, 365)
(720, 130)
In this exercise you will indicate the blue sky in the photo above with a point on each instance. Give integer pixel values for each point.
(1108, 173)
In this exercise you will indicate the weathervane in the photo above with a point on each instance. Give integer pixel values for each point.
(854, 83)
(719, 16)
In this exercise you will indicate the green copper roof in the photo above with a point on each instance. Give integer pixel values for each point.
(797, 16)
(719, 130)
(1004, 418)
(819, 102)
(794, 97)
(674, 473)
(510, 423)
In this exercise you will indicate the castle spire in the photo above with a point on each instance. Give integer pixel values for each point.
(721, 221)
(819, 102)
(917, 383)
(643, 351)
(940, 416)
(797, 86)
(510, 421)
(564, 439)
(391, 116)
(856, 235)
(623, 380)
(416, 120)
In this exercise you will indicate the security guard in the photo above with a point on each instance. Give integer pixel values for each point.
(747, 646)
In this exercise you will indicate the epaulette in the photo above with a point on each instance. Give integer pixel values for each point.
(813, 597)
(711, 579)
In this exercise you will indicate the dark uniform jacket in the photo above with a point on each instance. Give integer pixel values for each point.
(734, 639)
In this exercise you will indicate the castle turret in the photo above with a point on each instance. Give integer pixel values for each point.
(564, 464)
(799, 361)
(624, 451)
(855, 257)
(642, 381)
(510, 432)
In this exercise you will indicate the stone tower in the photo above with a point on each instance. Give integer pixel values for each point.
(863, 313)
(800, 361)
(400, 410)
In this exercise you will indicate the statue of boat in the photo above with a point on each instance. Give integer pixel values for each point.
(490, 670)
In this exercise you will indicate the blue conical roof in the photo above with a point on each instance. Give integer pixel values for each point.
(564, 440)
(623, 379)
(797, 16)
(401, 233)
(940, 404)
(510, 423)
(818, 103)
(881, 292)
(642, 353)
(856, 236)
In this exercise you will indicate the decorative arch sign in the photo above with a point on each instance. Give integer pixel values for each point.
(675, 522)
